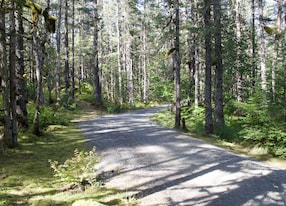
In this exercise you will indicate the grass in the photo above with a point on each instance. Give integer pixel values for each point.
(26, 177)
(224, 137)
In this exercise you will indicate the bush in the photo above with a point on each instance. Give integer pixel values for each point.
(48, 116)
(79, 169)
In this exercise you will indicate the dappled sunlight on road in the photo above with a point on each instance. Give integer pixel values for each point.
(165, 167)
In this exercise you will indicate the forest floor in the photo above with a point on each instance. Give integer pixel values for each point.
(26, 176)
(161, 166)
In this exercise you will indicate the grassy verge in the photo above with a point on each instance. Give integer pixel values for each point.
(26, 177)
(224, 137)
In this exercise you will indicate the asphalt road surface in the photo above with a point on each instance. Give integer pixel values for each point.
(165, 167)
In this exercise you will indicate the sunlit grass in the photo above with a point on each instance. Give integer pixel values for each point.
(228, 140)
(26, 177)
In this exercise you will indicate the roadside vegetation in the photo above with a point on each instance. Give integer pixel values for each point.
(250, 129)
(56, 168)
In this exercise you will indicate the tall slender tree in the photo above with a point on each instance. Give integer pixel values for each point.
(73, 51)
(39, 68)
(177, 66)
(12, 77)
(218, 110)
(5, 77)
(21, 94)
(238, 51)
(119, 65)
(97, 83)
(208, 73)
(58, 67)
(262, 52)
(67, 69)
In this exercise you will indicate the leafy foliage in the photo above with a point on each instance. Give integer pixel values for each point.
(49, 116)
(78, 169)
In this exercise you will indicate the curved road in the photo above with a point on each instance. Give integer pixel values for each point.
(166, 167)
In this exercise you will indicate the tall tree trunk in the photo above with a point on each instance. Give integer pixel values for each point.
(73, 52)
(284, 65)
(67, 69)
(253, 44)
(238, 51)
(118, 33)
(97, 83)
(262, 52)
(208, 77)
(5, 78)
(38, 59)
(12, 67)
(58, 67)
(197, 75)
(276, 51)
(218, 110)
(21, 95)
(177, 66)
(129, 69)
(196, 44)
(144, 59)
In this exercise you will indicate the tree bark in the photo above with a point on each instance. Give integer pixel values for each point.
(38, 59)
(218, 110)
(208, 77)
(262, 52)
(5, 84)
(177, 66)
(276, 50)
(58, 67)
(97, 83)
(12, 67)
(21, 94)
(73, 52)
(119, 66)
(253, 44)
(67, 69)
(238, 51)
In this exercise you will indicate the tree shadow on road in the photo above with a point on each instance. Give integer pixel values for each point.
(166, 167)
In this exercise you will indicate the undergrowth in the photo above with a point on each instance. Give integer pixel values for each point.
(250, 124)
(36, 172)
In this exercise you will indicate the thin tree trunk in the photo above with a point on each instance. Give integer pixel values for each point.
(21, 95)
(144, 61)
(67, 69)
(58, 67)
(208, 77)
(196, 44)
(73, 52)
(238, 51)
(97, 83)
(253, 44)
(12, 67)
(118, 31)
(38, 102)
(177, 66)
(262, 52)
(218, 110)
(5, 79)
(197, 76)
(129, 68)
(276, 51)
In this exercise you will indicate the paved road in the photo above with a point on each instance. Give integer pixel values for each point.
(166, 167)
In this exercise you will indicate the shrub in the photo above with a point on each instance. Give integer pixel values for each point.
(79, 169)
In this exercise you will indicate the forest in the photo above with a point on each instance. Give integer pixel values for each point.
(220, 64)
(225, 58)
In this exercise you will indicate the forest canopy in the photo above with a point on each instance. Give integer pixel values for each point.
(225, 58)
